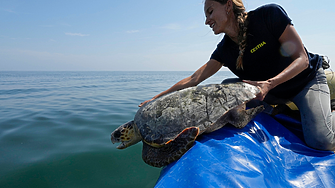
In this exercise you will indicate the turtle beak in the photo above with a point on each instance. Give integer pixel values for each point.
(126, 134)
(118, 135)
(122, 146)
(115, 138)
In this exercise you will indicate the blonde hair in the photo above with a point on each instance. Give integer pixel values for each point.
(241, 17)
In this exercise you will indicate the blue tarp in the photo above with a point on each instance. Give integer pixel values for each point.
(263, 154)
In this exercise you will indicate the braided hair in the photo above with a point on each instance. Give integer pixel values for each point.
(241, 17)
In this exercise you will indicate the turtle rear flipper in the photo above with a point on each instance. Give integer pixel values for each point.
(240, 117)
(172, 150)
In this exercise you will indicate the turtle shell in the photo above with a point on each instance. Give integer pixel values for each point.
(163, 119)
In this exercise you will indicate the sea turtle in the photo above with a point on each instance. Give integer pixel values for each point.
(169, 125)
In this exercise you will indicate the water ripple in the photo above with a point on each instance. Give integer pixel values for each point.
(53, 123)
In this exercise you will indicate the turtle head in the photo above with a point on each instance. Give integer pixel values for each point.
(127, 134)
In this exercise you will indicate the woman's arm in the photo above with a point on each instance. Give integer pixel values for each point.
(207, 70)
(292, 44)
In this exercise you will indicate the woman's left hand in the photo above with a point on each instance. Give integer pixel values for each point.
(263, 86)
(299, 63)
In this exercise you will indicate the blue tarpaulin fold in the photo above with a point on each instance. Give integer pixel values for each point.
(265, 153)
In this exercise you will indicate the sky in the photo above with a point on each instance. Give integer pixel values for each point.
(129, 35)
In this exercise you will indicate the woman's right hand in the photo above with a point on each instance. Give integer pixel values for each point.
(143, 103)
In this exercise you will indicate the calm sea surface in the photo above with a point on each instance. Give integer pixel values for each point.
(55, 127)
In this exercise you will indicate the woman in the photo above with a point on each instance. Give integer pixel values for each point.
(262, 48)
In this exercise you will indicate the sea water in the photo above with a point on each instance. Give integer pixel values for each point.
(55, 127)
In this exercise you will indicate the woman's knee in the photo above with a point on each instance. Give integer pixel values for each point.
(321, 143)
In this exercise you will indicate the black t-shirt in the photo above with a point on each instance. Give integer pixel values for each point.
(263, 57)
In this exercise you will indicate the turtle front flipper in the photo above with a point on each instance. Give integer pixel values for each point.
(172, 150)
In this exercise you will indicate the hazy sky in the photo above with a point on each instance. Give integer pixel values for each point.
(129, 35)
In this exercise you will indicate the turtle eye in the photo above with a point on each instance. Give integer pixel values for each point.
(117, 134)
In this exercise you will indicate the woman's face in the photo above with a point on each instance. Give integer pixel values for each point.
(216, 16)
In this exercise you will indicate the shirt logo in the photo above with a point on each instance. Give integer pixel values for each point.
(257, 47)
